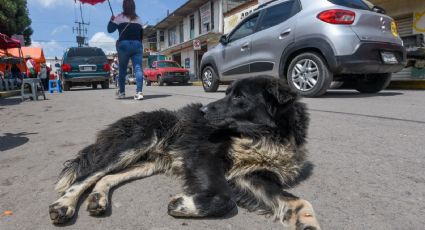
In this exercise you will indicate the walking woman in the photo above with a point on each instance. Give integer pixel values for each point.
(129, 46)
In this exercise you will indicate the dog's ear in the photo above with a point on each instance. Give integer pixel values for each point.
(281, 92)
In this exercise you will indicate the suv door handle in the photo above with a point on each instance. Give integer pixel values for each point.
(245, 46)
(284, 34)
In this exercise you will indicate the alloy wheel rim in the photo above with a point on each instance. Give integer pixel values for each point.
(207, 78)
(305, 75)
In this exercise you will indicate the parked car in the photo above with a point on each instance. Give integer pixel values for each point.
(85, 66)
(166, 72)
(310, 44)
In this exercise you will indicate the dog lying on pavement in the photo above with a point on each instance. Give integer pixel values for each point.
(237, 151)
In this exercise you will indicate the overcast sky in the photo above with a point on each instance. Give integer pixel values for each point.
(52, 21)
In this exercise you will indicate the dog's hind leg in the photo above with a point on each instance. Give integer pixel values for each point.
(63, 209)
(261, 192)
(98, 199)
(206, 190)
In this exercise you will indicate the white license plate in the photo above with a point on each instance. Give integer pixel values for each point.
(388, 58)
(87, 69)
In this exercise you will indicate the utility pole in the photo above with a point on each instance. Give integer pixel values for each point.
(81, 30)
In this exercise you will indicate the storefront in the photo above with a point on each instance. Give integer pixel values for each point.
(410, 18)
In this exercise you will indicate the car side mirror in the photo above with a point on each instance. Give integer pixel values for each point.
(379, 9)
(224, 40)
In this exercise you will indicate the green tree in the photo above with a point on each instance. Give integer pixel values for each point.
(14, 19)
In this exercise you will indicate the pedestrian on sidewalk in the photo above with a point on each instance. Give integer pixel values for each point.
(31, 70)
(43, 76)
(129, 46)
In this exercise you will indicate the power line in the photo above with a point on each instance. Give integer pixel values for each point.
(70, 41)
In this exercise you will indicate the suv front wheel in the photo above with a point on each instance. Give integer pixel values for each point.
(373, 83)
(209, 79)
(308, 75)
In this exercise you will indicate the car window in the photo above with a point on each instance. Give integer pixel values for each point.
(356, 4)
(168, 64)
(278, 13)
(245, 29)
(85, 52)
(83, 56)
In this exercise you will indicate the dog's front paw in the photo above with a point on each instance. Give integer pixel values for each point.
(300, 216)
(97, 203)
(60, 214)
(182, 206)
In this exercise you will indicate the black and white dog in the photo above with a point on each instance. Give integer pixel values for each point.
(240, 150)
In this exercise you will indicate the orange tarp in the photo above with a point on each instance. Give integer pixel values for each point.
(35, 53)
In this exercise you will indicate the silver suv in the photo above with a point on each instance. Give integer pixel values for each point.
(311, 44)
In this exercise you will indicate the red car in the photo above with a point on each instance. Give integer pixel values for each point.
(166, 72)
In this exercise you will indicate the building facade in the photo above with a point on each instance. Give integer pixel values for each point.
(410, 18)
(191, 30)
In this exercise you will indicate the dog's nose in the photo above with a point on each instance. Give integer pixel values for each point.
(204, 109)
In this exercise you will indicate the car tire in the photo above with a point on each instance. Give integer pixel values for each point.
(311, 83)
(66, 86)
(373, 83)
(94, 85)
(148, 83)
(210, 80)
(160, 80)
(105, 85)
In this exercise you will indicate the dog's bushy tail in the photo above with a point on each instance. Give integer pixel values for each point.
(75, 169)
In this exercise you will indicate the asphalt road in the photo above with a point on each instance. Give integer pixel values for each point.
(368, 154)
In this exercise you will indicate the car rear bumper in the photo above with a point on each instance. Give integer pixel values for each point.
(86, 77)
(367, 59)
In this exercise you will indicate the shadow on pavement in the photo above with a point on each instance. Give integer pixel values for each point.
(10, 101)
(148, 97)
(83, 88)
(11, 141)
(355, 94)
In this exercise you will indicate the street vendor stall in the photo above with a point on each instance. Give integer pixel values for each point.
(36, 53)
(9, 74)
(7, 57)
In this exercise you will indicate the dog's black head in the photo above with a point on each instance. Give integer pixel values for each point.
(257, 105)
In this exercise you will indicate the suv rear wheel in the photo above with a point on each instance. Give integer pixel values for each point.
(308, 75)
(66, 86)
(105, 85)
(373, 83)
(210, 80)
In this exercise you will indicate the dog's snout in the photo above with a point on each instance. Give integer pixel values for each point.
(204, 109)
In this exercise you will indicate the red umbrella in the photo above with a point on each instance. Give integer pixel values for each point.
(94, 2)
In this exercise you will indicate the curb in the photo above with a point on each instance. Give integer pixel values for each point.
(413, 84)
(10, 93)
(196, 83)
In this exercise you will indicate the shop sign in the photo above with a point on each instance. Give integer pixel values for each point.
(232, 20)
(196, 45)
(419, 22)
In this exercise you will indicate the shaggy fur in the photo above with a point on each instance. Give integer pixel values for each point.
(240, 150)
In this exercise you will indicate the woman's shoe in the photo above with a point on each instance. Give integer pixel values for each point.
(120, 95)
(138, 96)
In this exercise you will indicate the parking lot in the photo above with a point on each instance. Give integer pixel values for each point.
(367, 153)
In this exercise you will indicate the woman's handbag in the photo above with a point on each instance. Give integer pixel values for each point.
(117, 43)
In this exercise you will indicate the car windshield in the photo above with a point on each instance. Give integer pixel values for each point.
(166, 64)
(86, 56)
(356, 4)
